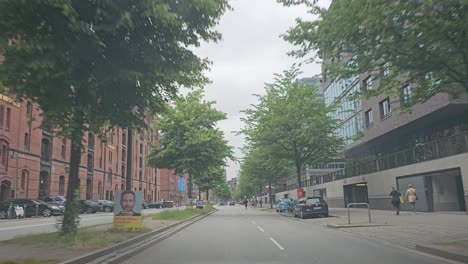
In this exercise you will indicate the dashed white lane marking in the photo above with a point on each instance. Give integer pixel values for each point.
(276, 243)
(261, 229)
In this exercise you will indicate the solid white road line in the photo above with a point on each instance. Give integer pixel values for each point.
(276, 243)
(259, 228)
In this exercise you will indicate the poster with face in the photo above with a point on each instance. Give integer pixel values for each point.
(128, 203)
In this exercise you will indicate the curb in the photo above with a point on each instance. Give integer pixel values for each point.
(442, 253)
(102, 252)
(329, 225)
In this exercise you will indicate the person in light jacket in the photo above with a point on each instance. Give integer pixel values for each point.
(411, 197)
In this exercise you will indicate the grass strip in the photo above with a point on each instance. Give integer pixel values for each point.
(29, 261)
(84, 239)
(179, 215)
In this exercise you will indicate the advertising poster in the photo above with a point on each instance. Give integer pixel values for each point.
(127, 210)
(181, 186)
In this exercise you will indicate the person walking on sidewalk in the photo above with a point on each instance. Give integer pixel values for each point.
(411, 197)
(245, 203)
(395, 194)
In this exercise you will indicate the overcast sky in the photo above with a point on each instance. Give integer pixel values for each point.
(249, 54)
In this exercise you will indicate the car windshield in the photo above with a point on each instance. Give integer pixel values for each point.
(234, 131)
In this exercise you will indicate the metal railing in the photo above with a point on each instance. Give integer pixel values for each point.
(445, 147)
(349, 214)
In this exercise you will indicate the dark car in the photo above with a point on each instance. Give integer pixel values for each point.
(54, 199)
(144, 205)
(155, 205)
(105, 205)
(34, 207)
(88, 206)
(311, 206)
(232, 203)
(167, 204)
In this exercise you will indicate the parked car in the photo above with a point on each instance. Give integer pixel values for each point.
(33, 207)
(144, 205)
(89, 207)
(232, 203)
(54, 199)
(155, 205)
(311, 206)
(167, 204)
(105, 205)
(284, 204)
(222, 203)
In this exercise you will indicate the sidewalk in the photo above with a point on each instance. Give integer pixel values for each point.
(447, 232)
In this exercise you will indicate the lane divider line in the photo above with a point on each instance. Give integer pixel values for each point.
(261, 229)
(276, 243)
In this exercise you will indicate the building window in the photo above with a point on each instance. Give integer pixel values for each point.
(62, 185)
(124, 138)
(45, 150)
(100, 190)
(26, 141)
(24, 178)
(369, 118)
(367, 83)
(8, 118)
(384, 108)
(110, 177)
(2, 113)
(29, 109)
(406, 94)
(4, 155)
(141, 148)
(64, 149)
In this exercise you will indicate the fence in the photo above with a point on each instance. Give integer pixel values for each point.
(446, 147)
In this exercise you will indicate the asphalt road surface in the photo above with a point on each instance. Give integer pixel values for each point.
(12, 228)
(235, 235)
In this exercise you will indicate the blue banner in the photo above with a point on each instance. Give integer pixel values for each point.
(181, 184)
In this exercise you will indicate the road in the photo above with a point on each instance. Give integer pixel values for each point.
(12, 228)
(235, 235)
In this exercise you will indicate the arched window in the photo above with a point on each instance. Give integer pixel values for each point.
(29, 109)
(24, 178)
(116, 187)
(62, 185)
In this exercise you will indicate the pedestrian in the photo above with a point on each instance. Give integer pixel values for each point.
(396, 196)
(411, 197)
(261, 202)
(245, 203)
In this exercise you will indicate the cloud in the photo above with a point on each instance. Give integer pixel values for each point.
(249, 55)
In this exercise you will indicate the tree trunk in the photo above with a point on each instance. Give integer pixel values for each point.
(269, 195)
(189, 189)
(128, 181)
(70, 219)
(199, 194)
(298, 175)
(207, 195)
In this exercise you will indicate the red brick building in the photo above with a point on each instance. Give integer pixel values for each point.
(169, 186)
(35, 163)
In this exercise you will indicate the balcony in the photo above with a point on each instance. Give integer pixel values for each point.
(446, 147)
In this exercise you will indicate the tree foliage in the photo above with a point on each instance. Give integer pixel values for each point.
(222, 192)
(190, 142)
(262, 167)
(292, 122)
(96, 64)
(421, 43)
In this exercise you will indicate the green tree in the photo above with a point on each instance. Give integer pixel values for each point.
(261, 167)
(210, 179)
(421, 43)
(190, 142)
(222, 192)
(91, 65)
(292, 122)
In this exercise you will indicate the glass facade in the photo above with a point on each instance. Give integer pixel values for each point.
(348, 110)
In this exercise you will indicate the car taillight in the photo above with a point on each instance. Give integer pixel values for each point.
(324, 203)
(309, 205)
